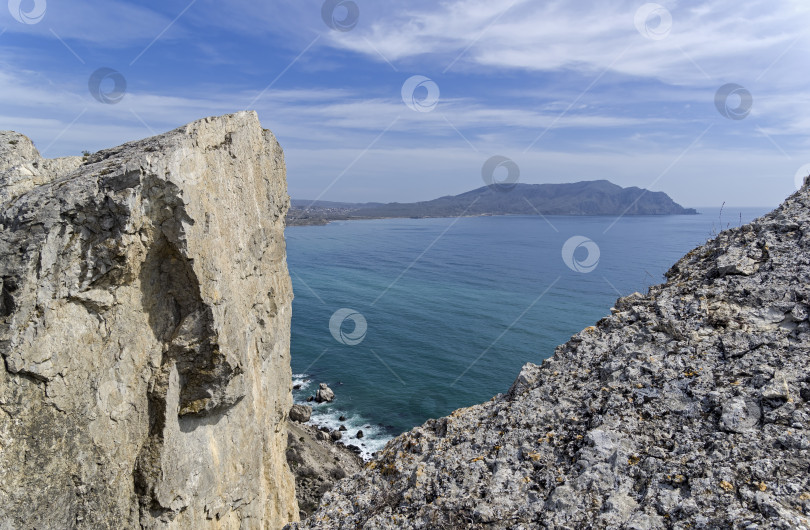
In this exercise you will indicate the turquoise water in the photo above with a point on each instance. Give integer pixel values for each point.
(454, 307)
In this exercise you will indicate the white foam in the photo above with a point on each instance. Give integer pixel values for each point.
(301, 379)
(328, 415)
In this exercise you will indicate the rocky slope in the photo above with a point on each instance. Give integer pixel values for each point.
(144, 331)
(688, 407)
(317, 462)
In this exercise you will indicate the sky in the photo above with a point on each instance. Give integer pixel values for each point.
(404, 101)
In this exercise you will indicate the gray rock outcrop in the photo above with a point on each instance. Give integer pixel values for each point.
(324, 394)
(144, 331)
(688, 407)
(300, 413)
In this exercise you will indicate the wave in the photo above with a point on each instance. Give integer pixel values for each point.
(328, 415)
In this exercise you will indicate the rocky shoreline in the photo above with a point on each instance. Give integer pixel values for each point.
(316, 455)
(687, 407)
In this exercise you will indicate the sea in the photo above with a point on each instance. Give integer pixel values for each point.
(410, 319)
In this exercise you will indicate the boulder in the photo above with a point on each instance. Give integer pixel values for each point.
(324, 394)
(300, 413)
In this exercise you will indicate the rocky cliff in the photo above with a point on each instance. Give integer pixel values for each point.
(144, 331)
(687, 407)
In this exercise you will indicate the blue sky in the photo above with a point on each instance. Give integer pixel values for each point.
(623, 90)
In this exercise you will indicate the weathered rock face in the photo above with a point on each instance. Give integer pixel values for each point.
(144, 329)
(686, 408)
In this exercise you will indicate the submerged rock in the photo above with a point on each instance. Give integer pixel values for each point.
(685, 408)
(144, 329)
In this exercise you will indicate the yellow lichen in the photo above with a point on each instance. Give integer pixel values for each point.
(727, 486)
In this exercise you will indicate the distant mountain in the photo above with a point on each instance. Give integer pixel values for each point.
(597, 197)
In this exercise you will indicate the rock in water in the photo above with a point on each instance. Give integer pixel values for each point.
(300, 413)
(324, 394)
(144, 328)
(686, 408)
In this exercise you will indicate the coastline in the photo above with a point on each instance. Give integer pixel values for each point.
(330, 417)
(325, 221)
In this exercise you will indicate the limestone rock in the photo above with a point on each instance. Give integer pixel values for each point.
(22, 168)
(687, 407)
(739, 415)
(324, 394)
(300, 413)
(144, 331)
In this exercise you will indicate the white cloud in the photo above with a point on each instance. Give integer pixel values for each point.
(707, 43)
(656, 98)
(110, 22)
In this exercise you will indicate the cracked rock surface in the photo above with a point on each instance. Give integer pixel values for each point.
(687, 407)
(144, 332)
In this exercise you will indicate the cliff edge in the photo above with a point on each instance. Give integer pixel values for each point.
(687, 407)
(144, 329)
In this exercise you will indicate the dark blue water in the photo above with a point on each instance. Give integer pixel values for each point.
(454, 307)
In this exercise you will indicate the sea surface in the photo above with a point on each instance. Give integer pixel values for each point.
(409, 319)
